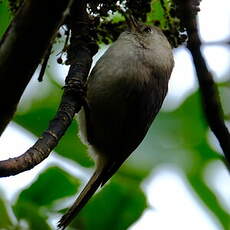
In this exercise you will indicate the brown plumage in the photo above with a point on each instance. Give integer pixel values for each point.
(125, 91)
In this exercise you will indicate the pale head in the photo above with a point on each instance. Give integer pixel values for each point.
(148, 34)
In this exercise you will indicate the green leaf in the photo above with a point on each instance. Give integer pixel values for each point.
(50, 186)
(34, 202)
(5, 16)
(118, 205)
(156, 13)
(178, 137)
(210, 200)
(224, 92)
(31, 214)
(6, 221)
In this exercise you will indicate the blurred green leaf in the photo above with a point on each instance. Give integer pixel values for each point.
(30, 213)
(5, 16)
(118, 205)
(156, 13)
(51, 185)
(224, 91)
(210, 200)
(117, 17)
(36, 119)
(178, 137)
(6, 221)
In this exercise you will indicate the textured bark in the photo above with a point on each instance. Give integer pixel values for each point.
(22, 48)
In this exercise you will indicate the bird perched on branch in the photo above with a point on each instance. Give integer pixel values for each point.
(125, 91)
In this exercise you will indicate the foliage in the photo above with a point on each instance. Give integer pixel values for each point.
(6, 219)
(5, 16)
(108, 17)
(177, 137)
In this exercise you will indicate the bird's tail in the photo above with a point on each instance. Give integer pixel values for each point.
(88, 191)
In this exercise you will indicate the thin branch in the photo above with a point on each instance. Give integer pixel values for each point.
(217, 43)
(80, 53)
(22, 48)
(44, 63)
(209, 92)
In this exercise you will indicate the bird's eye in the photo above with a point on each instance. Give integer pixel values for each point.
(147, 29)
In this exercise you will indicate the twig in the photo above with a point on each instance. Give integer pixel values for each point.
(22, 48)
(209, 92)
(217, 43)
(44, 64)
(80, 55)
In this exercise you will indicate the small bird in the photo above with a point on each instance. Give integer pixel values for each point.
(125, 91)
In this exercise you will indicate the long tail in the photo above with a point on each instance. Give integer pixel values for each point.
(88, 191)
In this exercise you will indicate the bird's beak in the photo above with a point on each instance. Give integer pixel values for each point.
(132, 23)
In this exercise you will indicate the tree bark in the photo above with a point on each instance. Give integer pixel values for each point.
(22, 48)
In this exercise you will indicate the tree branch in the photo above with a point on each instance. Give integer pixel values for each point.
(80, 53)
(22, 48)
(209, 92)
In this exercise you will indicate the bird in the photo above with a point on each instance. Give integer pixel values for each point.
(125, 91)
